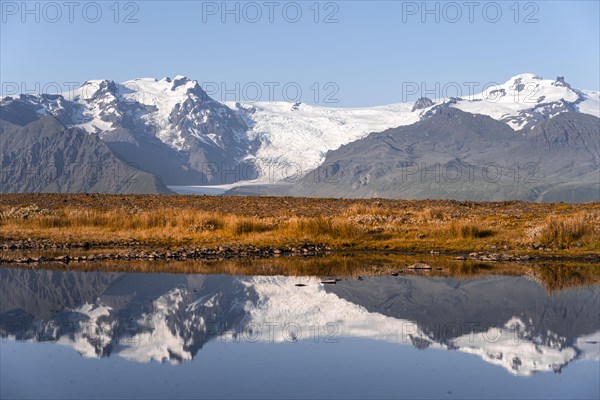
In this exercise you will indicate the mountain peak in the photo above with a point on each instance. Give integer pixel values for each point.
(180, 80)
(92, 88)
(560, 82)
(423, 102)
(527, 76)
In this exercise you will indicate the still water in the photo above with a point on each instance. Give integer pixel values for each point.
(71, 334)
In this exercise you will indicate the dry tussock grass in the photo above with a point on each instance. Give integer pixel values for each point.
(469, 230)
(377, 225)
(564, 231)
(362, 209)
(323, 227)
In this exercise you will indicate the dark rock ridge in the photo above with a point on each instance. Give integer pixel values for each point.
(45, 156)
(423, 102)
(457, 155)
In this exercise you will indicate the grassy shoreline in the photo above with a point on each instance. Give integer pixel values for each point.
(174, 221)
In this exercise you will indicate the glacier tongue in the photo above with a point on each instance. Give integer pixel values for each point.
(294, 140)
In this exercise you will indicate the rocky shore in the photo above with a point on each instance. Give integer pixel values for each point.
(34, 251)
(109, 251)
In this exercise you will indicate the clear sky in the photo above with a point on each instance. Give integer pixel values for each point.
(360, 53)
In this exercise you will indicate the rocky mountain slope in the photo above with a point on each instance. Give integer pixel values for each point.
(458, 155)
(45, 156)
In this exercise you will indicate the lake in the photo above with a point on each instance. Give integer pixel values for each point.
(76, 334)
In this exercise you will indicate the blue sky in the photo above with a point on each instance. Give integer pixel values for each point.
(365, 58)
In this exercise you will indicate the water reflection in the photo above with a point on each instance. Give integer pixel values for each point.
(508, 321)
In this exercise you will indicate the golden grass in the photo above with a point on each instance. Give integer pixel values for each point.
(469, 230)
(363, 209)
(431, 214)
(322, 228)
(342, 224)
(565, 231)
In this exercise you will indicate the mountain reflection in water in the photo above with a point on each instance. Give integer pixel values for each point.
(509, 321)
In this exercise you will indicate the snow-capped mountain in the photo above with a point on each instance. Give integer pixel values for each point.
(169, 127)
(172, 128)
(177, 111)
(296, 137)
(526, 99)
(169, 318)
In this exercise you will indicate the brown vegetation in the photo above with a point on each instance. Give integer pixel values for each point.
(169, 221)
(563, 231)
